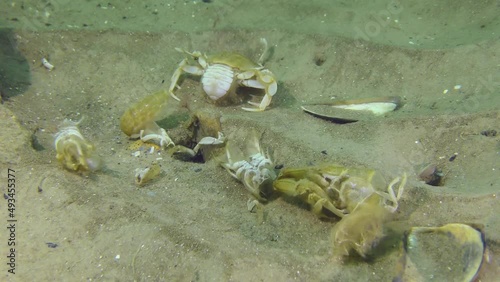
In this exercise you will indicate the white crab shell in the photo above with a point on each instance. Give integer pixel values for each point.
(217, 80)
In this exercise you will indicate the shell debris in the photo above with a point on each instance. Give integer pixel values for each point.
(47, 64)
(144, 175)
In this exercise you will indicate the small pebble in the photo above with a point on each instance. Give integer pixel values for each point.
(452, 158)
(252, 205)
(51, 245)
(489, 133)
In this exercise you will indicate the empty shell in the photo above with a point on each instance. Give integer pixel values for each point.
(348, 111)
(452, 252)
(144, 175)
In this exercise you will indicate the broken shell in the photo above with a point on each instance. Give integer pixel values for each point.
(378, 106)
(252, 205)
(348, 111)
(186, 154)
(361, 230)
(431, 175)
(142, 176)
(207, 123)
(453, 252)
(334, 119)
(182, 153)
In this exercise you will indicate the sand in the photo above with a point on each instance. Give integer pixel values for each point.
(192, 223)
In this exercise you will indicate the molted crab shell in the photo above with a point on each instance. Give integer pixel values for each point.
(255, 169)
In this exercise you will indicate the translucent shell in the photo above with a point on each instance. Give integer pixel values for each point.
(234, 60)
(74, 152)
(142, 176)
(143, 114)
(361, 230)
(254, 169)
(453, 252)
(349, 194)
(329, 189)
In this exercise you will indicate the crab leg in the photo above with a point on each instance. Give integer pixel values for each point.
(210, 141)
(175, 79)
(182, 68)
(162, 137)
(266, 100)
(391, 196)
(310, 192)
(264, 103)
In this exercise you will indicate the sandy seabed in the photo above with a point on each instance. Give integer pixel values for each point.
(192, 223)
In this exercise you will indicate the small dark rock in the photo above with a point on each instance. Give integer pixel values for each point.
(452, 158)
(489, 133)
(51, 245)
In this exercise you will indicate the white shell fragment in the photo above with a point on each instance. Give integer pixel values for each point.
(252, 205)
(144, 175)
(47, 65)
(378, 106)
(185, 154)
(347, 111)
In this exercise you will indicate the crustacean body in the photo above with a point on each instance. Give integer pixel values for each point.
(347, 193)
(139, 120)
(75, 152)
(255, 169)
(222, 73)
